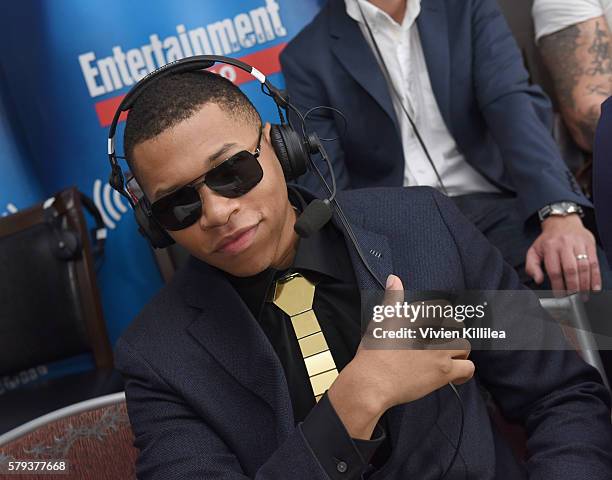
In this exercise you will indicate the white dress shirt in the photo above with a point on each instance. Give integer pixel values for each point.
(400, 46)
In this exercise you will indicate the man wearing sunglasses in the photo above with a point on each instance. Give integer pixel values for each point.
(218, 381)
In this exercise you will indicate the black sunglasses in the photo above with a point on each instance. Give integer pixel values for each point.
(233, 178)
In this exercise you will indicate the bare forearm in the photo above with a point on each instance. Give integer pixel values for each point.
(579, 58)
(583, 123)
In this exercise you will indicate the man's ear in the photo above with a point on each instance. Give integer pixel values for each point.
(266, 132)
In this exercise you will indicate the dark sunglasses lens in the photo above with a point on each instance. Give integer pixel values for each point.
(233, 178)
(178, 210)
(236, 176)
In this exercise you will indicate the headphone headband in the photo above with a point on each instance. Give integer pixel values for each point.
(189, 64)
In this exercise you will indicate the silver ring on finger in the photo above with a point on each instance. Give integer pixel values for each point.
(582, 256)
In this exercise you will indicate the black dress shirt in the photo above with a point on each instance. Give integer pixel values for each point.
(323, 259)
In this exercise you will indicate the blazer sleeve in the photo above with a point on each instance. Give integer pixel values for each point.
(602, 173)
(519, 115)
(305, 92)
(175, 443)
(559, 399)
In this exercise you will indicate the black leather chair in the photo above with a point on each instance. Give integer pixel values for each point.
(50, 310)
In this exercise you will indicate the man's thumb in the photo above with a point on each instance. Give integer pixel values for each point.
(394, 291)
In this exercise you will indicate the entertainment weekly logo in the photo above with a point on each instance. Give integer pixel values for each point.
(228, 37)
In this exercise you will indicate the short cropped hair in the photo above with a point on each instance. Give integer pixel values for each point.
(177, 97)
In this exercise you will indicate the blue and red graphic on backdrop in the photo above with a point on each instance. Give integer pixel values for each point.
(66, 65)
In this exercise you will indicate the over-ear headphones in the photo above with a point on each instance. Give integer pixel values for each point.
(292, 148)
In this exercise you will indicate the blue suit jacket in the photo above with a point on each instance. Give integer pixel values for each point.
(500, 122)
(602, 177)
(208, 399)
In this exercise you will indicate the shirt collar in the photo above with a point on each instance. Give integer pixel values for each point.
(378, 18)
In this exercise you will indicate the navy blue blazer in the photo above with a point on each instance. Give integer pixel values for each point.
(208, 399)
(602, 177)
(499, 121)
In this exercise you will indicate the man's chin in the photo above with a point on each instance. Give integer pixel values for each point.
(245, 267)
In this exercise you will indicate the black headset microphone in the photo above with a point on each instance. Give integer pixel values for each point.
(320, 211)
(314, 217)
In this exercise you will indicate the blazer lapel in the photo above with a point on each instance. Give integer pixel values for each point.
(354, 53)
(433, 31)
(229, 332)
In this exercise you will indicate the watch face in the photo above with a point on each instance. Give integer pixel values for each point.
(564, 208)
(559, 208)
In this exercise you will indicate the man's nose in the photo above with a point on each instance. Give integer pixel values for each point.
(216, 209)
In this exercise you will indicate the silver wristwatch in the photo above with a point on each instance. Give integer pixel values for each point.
(561, 209)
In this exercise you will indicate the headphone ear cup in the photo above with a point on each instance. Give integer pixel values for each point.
(289, 149)
(278, 144)
(150, 229)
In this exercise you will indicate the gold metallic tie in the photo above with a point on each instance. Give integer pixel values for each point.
(294, 295)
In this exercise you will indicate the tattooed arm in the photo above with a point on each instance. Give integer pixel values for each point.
(579, 58)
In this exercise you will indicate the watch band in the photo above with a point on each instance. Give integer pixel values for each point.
(561, 209)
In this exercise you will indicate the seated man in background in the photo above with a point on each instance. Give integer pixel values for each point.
(436, 94)
(574, 39)
(217, 384)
